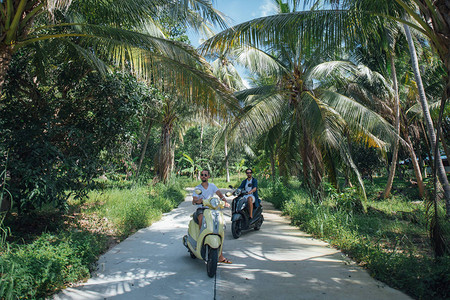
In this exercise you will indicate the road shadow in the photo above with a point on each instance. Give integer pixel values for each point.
(281, 262)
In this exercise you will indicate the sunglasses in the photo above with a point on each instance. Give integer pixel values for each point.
(248, 172)
(204, 175)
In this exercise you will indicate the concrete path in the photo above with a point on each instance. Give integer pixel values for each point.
(277, 262)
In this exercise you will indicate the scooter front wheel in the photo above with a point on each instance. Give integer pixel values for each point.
(211, 263)
(236, 229)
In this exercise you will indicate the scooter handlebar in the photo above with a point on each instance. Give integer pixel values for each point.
(214, 203)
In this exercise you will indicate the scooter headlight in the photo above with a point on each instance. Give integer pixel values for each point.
(214, 202)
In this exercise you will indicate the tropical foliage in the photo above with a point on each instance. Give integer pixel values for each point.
(341, 95)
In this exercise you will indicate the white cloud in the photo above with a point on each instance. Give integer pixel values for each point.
(267, 8)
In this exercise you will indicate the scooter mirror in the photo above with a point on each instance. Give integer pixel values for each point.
(228, 194)
(230, 186)
(198, 191)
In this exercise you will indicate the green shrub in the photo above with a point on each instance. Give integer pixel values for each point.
(49, 263)
(131, 209)
(372, 239)
(275, 192)
(52, 261)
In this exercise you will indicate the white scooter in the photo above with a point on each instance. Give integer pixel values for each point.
(206, 242)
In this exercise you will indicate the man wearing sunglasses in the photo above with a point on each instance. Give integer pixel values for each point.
(208, 190)
(250, 185)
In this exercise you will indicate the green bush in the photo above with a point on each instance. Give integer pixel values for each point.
(53, 260)
(361, 236)
(274, 191)
(137, 207)
(49, 263)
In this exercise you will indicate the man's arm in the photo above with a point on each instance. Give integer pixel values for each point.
(221, 196)
(196, 200)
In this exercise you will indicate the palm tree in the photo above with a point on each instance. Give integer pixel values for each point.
(125, 33)
(225, 71)
(316, 121)
(349, 20)
(430, 18)
(441, 173)
(390, 45)
(175, 114)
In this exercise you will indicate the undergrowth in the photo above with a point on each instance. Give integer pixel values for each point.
(35, 267)
(390, 240)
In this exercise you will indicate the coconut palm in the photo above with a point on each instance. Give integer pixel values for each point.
(225, 71)
(349, 20)
(317, 122)
(380, 54)
(430, 18)
(125, 33)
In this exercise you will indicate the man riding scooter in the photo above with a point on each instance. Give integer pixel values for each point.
(250, 185)
(207, 191)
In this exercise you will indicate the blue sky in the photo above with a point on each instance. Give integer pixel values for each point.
(239, 11)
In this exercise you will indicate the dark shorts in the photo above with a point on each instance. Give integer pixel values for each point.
(198, 212)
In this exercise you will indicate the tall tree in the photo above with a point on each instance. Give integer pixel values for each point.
(225, 71)
(315, 119)
(123, 32)
(428, 121)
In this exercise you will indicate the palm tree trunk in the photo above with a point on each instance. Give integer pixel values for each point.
(415, 164)
(165, 153)
(144, 149)
(226, 159)
(5, 60)
(390, 180)
(272, 163)
(429, 122)
(444, 145)
(427, 147)
(201, 149)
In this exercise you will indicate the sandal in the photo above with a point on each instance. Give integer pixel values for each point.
(225, 261)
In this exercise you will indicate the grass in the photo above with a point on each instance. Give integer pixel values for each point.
(131, 209)
(390, 240)
(37, 261)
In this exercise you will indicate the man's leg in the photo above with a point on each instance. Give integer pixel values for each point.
(223, 259)
(250, 206)
(200, 220)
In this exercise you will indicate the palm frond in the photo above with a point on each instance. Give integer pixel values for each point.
(168, 64)
(134, 13)
(256, 118)
(311, 30)
(227, 74)
(265, 90)
(257, 60)
(358, 116)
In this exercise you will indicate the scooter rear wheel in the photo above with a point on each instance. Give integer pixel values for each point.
(258, 226)
(211, 263)
(236, 229)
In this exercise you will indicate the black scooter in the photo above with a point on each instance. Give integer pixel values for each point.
(240, 218)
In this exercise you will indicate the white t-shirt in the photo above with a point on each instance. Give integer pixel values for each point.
(206, 193)
(248, 185)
